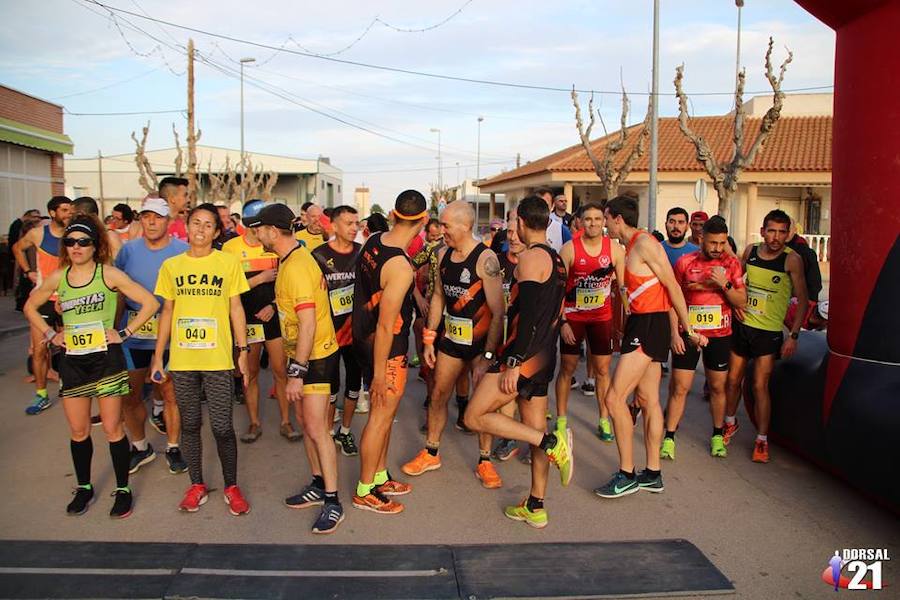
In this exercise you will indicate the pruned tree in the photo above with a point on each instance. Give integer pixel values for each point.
(610, 176)
(179, 155)
(146, 176)
(725, 175)
(449, 195)
(227, 183)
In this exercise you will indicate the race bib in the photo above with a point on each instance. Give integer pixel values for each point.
(756, 302)
(85, 338)
(195, 333)
(458, 330)
(589, 299)
(147, 331)
(705, 317)
(255, 333)
(341, 300)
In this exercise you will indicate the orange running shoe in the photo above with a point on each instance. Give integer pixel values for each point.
(422, 463)
(488, 475)
(393, 488)
(761, 452)
(728, 432)
(377, 502)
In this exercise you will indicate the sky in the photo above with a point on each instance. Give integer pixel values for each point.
(376, 124)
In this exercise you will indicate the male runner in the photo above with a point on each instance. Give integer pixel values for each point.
(312, 235)
(381, 322)
(337, 259)
(651, 288)
(557, 233)
(263, 328)
(592, 261)
(527, 361)
(174, 190)
(141, 259)
(85, 205)
(713, 282)
(425, 263)
(676, 243)
(311, 349)
(45, 241)
(468, 299)
(698, 218)
(774, 274)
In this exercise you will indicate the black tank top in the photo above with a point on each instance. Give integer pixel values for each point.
(367, 292)
(507, 270)
(549, 301)
(339, 270)
(469, 317)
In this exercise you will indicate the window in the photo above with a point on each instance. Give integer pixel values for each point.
(813, 216)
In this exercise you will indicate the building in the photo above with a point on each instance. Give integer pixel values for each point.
(32, 145)
(468, 191)
(791, 172)
(362, 199)
(114, 179)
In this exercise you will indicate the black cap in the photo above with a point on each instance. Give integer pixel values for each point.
(276, 215)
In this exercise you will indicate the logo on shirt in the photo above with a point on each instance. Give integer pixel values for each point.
(776, 279)
(466, 276)
(330, 263)
(635, 342)
(581, 261)
(604, 261)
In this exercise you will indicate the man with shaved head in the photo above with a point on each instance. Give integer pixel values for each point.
(467, 311)
(312, 237)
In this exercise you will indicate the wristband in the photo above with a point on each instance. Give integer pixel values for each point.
(429, 336)
(124, 333)
(297, 370)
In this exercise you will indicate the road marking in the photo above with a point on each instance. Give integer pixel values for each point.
(84, 571)
(345, 574)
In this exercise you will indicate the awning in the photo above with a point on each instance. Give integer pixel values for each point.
(34, 137)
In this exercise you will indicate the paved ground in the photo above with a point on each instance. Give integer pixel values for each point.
(769, 528)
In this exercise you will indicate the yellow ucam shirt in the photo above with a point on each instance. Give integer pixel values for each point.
(201, 289)
(300, 284)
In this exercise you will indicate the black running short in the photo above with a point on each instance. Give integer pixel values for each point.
(460, 351)
(140, 358)
(352, 374)
(599, 336)
(751, 342)
(95, 375)
(48, 311)
(715, 355)
(322, 371)
(651, 332)
(271, 329)
(535, 374)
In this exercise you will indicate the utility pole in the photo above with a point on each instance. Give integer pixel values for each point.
(100, 176)
(654, 122)
(518, 159)
(440, 164)
(191, 136)
(243, 167)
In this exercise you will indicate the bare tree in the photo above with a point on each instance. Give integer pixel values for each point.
(448, 194)
(179, 155)
(610, 176)
(146, 176)
(725, 175)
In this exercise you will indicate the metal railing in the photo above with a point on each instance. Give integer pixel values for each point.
(820, 243)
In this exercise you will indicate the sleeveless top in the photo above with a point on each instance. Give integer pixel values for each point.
(589, 284)
(769, 290)
(467, 316)
(340, 275)
(47, 256)
(645, 293)
(87, 312)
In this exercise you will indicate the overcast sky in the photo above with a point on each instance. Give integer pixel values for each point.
(71, 52)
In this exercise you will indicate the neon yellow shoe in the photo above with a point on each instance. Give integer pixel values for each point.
(604, 431)
(520, 512)
(668, 449)
(561, 455)
(717, 446)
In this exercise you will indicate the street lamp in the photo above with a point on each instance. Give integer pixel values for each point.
(654, 122)
(737, 66)
(243, 61)
(478, 157)
(440, 164)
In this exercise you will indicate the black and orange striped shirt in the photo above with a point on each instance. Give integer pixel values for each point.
(468, 317)
(340, 276)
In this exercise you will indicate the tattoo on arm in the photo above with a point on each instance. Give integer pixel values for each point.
(492, 266)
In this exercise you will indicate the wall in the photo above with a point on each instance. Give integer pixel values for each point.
(31, 111)
(25, 182)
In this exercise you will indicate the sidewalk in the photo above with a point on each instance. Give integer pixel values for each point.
(12, 322)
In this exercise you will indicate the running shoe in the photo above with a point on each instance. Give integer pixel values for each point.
(175, 461)
(761, 451)
(194, 498)
(519, 512)
(488, 475)
(40, 404)
(289, 433)
(728, 431)
(588, 388)
(96, 421)
(635, 410)
(331, 516)
(505, 450)
(526, 456)
(717, 446)
(347, 443)
(253, 433)
(604, 431)
(651, 483)
(561, 455)
(377, 502)
(84, 497)
(618, 486)
(422, 463)
(158, 423)
(573, 384)
(237, 505)
(362, 405)
(392, 487)
(414, 362)
(122, 505)
(308, 496)
(139, 458)
(338, 414)
(668, 449)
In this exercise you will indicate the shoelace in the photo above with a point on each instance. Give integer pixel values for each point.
(333, 514)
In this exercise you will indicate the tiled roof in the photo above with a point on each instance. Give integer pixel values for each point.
(796, 144)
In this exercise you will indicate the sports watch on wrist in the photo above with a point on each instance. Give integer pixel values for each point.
(124, 333)
(243, 348)
(794, 335)
(487, 355)
(297, 370)
(513, 361)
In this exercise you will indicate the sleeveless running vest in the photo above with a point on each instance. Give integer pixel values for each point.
(589, 284)
(367, 292)
(769, 290)
(340, 276)
(467, 317)
(645, 293)
(47, 254)
(87, 312)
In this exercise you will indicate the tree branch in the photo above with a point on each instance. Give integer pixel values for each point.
(638, 150)
(774, 113)
(704, 153)
(585, 136)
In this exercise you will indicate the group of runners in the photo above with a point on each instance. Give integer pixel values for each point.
(167, 314)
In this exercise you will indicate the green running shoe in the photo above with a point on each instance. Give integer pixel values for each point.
(650, 483)
(668, 449)
(604, 431)
(520, 512)
(561, 455)
(618, 486)
(717, 446)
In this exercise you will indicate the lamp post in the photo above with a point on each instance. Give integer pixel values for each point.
(243, 62)
(440, 164)
(654, 122)
(737, 66)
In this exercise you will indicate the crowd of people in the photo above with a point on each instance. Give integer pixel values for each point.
(187, 305)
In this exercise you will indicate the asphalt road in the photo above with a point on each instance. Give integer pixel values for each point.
(769, 528)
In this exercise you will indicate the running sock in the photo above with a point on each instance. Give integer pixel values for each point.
(718, 430)
(730, 420)
(381, 477)
(533, 503)
(170, 445)
(670, 434)
(651, 472)
(82, 452)
(627, 474)
(158, 406)
(484, 456)
(762, 438)
(364, 489)
(548, 441)
(562, 421)
(331, 498)
(344, 430)
(120, 452)
(140, 445)
(318, 482)
(432, 447)
(591, 381)
(42, 392)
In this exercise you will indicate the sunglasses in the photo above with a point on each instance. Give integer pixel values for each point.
(83, 242)
(495, 229)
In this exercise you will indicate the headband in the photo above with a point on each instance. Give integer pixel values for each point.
(399, 215)
(82, 228)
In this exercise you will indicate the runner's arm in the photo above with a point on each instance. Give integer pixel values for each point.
(567, 254)
(238, 321)
(165, 328)
(134, 292)
(396, 277)
(438, 301)
(488, 268)
(25, 242)
(40, 296)
(533, 269)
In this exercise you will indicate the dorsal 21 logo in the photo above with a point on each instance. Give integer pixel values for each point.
(857, 563)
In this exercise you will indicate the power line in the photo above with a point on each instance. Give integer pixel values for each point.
(106, 87)
(420, 73)
(119, 114)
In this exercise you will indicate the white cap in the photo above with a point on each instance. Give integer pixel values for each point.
(156, 205)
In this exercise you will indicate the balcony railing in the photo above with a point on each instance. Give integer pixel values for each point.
(821, 244)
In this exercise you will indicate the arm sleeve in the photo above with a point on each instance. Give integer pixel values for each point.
(529, 317)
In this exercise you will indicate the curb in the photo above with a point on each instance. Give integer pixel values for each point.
(11, 331)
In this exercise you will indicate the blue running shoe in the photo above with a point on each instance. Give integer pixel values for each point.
(40, 404)
(618, 486)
